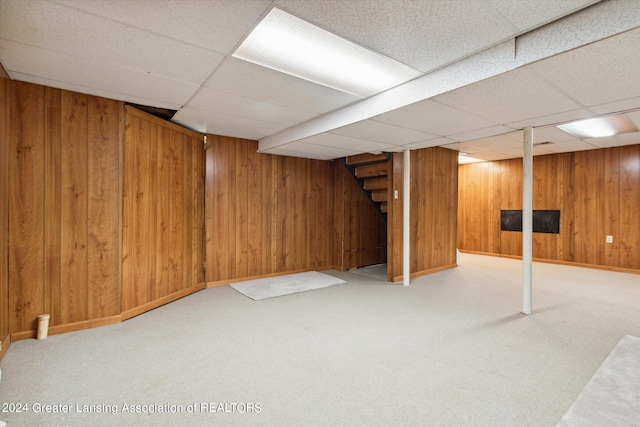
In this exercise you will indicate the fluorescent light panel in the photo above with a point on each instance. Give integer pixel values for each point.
(463, 158)
(291, 45)
(599, 127)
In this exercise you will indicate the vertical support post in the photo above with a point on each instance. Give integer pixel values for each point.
(527, 220)
(406, 218)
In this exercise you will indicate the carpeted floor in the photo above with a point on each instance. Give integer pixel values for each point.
(378, 272)
(451, 349)
(612, 396)
(272, 287)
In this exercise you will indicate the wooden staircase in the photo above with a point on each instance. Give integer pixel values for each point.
(372, 173)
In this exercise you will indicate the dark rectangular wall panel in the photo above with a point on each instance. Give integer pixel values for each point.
(596, 191)
(544, 221)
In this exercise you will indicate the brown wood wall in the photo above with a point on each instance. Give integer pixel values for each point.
(63, 162)
(163, 215)
(363, 229)
(74, 243)
(266, 214)
(5, 102)
(434, 189)
(597, 193)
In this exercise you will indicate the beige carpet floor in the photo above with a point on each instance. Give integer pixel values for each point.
(452, 349)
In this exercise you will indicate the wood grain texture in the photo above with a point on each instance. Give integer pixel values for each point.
(365, 232)
(596, 191)
(5, 88)
(629, 207)
(53, 205)
(265, 214)
(64, 183)
(26, 205)
(163, 242)
(74, 214)
(433, 216)
(103, 208)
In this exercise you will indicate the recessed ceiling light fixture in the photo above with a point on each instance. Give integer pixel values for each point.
(291, 45)
(599, 127)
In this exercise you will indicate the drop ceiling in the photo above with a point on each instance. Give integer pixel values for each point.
(488, 69)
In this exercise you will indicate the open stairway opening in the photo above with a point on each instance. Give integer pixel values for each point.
(367, 198)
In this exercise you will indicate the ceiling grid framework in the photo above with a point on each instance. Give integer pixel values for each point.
(488, 69)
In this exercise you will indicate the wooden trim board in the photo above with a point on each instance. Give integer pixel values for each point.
(553, 261)
(162, 301)
(425, 272)
(6, 342)
(262, 276)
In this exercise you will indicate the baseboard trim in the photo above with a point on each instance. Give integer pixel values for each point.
(87, 324)
(128, 314)
(6, 342)
(262, 276)
(69, 327)
(424, 272)
(103, 321)
(553, 261)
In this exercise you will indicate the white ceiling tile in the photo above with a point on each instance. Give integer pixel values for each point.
(551, 134)
(599, 73)
(345, 142)
(429, 143)
(77, 34)
(86, 76)
(250, 108)
(287, 153)
(405, 29)
(617, 106)
(518, 152)
(634, 116)
(434, 118)
(319, 152)
(373, 130)
(532, 13)
(465, 147)
(509, 97)
(604, 19)
(93, 91)
(498, 143)
(481, 133)
(253, 81)
(553, 119)
(493, 155)
(222, 124)
(196, 22)
(616, 140)
(301, 154)
(570, 146)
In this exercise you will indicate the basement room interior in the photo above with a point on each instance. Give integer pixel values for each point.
(340, 212)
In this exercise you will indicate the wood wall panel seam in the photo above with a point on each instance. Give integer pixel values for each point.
(596, 194)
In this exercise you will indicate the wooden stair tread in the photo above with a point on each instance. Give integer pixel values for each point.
(379, 195)
(377, 169)
(377, 183)
(365, 158)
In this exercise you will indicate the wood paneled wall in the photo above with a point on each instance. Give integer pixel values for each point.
(64, 204)
(5, 87)
(266, 214)
(163, 215)
(434, 189)
(363, 229)
(597, 193)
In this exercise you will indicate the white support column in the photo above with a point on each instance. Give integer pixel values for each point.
(527, 220)
(406, 218)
